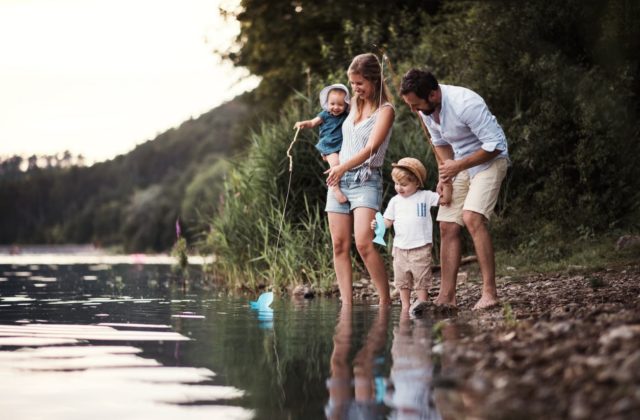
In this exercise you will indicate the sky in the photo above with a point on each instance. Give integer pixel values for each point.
(98, 77)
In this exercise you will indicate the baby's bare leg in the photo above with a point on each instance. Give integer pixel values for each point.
(334, 160)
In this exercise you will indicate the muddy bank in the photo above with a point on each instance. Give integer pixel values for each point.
(561, 346)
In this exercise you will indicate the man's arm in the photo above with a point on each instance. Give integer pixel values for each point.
(444, 152)
(450, 167)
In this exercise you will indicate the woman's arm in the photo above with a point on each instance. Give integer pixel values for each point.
(383, 125)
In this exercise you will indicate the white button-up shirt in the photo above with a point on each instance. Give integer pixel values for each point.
(467, 125)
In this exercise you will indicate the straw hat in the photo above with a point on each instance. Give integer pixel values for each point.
(414, 166)
(324, 94)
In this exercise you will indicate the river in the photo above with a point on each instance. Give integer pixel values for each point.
(132, 341)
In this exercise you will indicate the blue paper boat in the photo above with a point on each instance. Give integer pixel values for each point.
(263, 302)
(380, 229)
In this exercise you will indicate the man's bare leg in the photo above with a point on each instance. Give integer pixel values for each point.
(477, 225)
(450, 253)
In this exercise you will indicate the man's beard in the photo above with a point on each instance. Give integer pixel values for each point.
(432, 108)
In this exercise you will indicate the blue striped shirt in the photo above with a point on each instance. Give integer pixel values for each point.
(355, 138)
(467, 125)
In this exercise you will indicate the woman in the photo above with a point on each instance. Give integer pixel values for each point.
(366, 133)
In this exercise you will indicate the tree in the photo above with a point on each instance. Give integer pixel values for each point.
(283, 41)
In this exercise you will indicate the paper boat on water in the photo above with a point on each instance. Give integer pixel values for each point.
(263, 302)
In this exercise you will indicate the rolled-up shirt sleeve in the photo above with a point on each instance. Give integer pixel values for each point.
(483, 124)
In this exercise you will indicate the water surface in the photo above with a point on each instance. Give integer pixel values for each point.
(136, 341)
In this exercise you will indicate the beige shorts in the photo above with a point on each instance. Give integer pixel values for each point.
(412, 268)
(479, 194)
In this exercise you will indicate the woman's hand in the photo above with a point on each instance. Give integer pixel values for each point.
(334, 174)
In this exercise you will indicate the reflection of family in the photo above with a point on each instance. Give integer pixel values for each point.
(359, 390)
(472, 149)
(355, 393)
(411, 394)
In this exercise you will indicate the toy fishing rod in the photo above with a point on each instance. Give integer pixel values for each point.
(395, 83)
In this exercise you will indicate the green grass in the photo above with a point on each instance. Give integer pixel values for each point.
(577, 256)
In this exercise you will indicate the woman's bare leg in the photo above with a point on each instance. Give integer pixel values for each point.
(340, 226)
(362, 217)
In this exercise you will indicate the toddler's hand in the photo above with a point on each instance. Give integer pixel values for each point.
(373, 224)
(301, 124)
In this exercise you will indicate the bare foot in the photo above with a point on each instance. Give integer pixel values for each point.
(339, 196)
(486, 302)
(384, 302)
(444, 301)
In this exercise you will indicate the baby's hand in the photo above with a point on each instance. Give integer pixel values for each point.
(444, 202)
(301, 124)
(373, 224)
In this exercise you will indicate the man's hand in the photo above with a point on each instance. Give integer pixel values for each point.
(448, 169)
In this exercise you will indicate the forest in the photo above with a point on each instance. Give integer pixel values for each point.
(562, 79)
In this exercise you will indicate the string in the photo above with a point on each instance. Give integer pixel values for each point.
(286, 200)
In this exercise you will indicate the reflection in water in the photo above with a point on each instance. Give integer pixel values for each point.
(411, 373)
(362, 392)
(357, 394)
(71, 382)
(75, 345)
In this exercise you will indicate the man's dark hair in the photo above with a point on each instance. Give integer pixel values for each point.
(419, 82)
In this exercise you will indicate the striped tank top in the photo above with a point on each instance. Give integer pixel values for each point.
(355, 138)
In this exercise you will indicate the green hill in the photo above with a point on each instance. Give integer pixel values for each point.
(132, 200)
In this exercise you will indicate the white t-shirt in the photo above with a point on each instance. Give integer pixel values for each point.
(412, 218)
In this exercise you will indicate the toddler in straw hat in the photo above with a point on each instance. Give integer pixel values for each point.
(409, 213)
(334, 100)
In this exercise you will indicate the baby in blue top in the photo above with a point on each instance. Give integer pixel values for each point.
(334, 100)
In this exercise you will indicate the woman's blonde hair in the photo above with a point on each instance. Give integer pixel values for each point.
(368, 66)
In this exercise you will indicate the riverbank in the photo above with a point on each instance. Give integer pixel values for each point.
(562, 345)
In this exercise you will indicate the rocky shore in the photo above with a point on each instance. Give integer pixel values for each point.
(560, 346)
(564, 345)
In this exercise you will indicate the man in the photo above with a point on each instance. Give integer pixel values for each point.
(472, 149)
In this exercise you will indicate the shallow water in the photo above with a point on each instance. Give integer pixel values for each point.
(133, 341)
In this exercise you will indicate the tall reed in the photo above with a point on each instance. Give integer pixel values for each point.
(244, 234)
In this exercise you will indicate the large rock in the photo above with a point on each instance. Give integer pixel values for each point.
(627, 241)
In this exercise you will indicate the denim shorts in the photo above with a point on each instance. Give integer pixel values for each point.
(365, 194)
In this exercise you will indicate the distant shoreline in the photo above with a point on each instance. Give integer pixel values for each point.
(70, 254)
